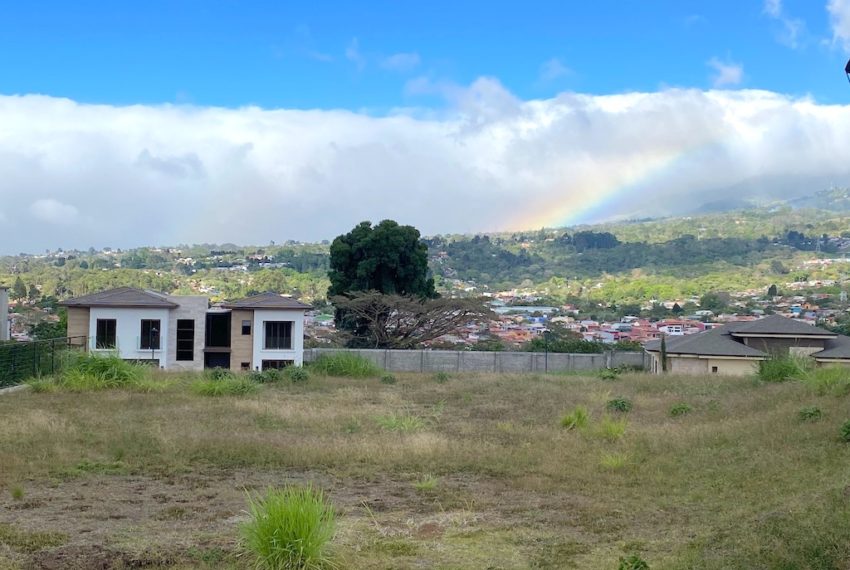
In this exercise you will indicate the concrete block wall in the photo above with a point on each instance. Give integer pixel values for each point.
(430, 361)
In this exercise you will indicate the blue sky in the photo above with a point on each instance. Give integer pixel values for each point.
(338, 54)
(165, 122)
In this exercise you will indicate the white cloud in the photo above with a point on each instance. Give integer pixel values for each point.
(839, 20)
(791, 29)
(53, 211)
(401, 61)
(553, 69)
(726, 74)
(353, 54)
(168, 174)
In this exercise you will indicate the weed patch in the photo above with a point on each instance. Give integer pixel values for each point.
(400, 422)
(225, 387)
(577, 419)
(345, 364)
(619, 405)
(680, 409)
(28, 542)
(809, 414)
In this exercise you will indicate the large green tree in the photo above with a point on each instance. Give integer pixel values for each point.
(387, 258)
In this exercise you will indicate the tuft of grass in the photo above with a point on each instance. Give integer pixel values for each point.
(218, 374)
(17, 492)
(228, 387)
(614, 461)
(632, 562)
(345, 364)
(296, 374)
(268, 376)
(43, 385)
(845, 431)
(577, 419)
(680, 409)
(399, 422)
(619, 405)
(29, 542)
(441, 377)
(427, 483)
(290, 529)
(809, 414)
(89, 372)
(780, 368)
(611, 429)
(388, 379)
(609, 374)
(827, 380)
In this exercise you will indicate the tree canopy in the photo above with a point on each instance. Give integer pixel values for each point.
(387, 258)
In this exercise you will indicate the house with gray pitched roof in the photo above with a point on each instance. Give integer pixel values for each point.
(737, 348)
(186, 332)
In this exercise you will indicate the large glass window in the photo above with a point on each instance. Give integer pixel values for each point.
(185, 340)
(149, 338)
(105, 334)
(278, 335)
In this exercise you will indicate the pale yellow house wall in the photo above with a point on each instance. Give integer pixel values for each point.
(679, 365)
(733, 367)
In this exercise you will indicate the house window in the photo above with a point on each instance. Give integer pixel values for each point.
(149, 339)
(278, 335)
(185, 340)
(714, 370)
(246, 366)
(277, 364)
(105, 334)
(246, 327)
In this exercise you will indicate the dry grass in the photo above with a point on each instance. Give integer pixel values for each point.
(515, 490)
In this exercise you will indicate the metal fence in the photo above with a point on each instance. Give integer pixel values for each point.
(22, 360)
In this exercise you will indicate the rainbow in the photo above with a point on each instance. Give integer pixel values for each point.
(589, 189)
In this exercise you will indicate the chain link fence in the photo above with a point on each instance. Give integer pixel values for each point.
(22, 360)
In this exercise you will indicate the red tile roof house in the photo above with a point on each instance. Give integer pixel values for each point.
(185, 333)
(736, 348)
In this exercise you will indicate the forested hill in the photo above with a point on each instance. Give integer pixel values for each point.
(616, 262)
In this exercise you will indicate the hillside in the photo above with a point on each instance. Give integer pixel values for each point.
(612, 263)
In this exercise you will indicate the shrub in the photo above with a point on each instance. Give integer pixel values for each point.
(297, 374)
(632, 562)
(400, 422)
(267, 376)
(290, 529)
(388, 379)
(441, 377)
(619, 405)
(577, 419)
(778, 368)
(809, 414)
(828, 380)
(426, 483)
(218, 374)
(93, 372)
(609, 374)
(680, 409)
(845, 431)
(611, 429)
(228, 387)
(345, 364)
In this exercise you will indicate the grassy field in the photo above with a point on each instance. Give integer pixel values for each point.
(425, 472)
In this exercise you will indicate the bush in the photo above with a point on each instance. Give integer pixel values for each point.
(388, 379)
(619, 405)
(609, 374)
(632, 562)
(290, 529)
(228, 387)
(218, 374)
(780, 368)
(345, 364)
(828, 380)
(577, 419)
(93, 372)
(680, 409)
(267, 376)
(845, 431)
(810, 414)
(441, 377)
(297, 374)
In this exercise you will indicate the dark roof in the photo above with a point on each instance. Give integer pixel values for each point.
(714, 342)
(837, 348)
(122, 297)
(267, 300)
(776, 325)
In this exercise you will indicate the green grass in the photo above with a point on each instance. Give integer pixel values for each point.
(577, 419)
(86, 373)
(426, 484)
(809, 414)
(827, 380)
(226, 387)
(781, 368)
(680, 409)
(28, 541)
(610, 429)
(614, 461)
(404, 422)
(290, 529)
(619, 405)
(343, 364)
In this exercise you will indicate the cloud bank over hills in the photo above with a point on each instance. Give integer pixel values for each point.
(75, 175)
